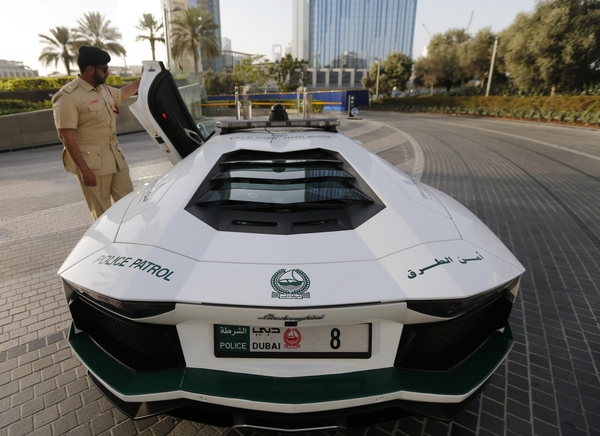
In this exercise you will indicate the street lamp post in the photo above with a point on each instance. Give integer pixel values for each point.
(377, 83)
(489, 84)
(200, 66)
(168, 32)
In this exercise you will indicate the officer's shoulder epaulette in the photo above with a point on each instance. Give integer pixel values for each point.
(70, 87)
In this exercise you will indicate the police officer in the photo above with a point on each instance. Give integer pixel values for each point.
(85, 112)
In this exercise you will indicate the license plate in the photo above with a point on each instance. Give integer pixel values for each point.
(315, 342)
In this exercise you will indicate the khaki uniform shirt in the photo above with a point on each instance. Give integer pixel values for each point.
(92, 112)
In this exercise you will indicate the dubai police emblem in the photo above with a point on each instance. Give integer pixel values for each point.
(290, 283)
(292, 338)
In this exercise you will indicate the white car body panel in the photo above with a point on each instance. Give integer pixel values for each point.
(185, 280)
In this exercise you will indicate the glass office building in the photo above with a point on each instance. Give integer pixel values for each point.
(352, 33)
(213, 7)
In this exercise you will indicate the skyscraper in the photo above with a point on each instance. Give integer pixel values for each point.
(353, 33)
(213, 7)
(277, 52)
(185, 64)
(300, 29)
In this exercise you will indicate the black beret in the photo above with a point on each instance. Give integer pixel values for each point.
(94, 55)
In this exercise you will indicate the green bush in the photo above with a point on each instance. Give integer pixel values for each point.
(30, 83)
(573, 109)
(532, 113)
(115, 81)
(562, 116)
(574, 116)
(17, 106)
(35, 83)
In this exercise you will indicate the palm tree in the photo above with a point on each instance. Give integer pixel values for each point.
(95, 30)
(59, 48)
(193, 31)
(151, 26)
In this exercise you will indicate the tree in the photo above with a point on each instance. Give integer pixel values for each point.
(444, 53)
(210, 80)
(289, 73)
(149, 25)
(475, 55)
(226, 82)
(216, 84)
(251, 71)
(95, 30)
(395, 71)
(555, 47)
(58, 49)
(426, 73)
(194, 35)
(519, 59)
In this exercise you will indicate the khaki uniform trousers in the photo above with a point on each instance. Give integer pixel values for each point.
(98, 197)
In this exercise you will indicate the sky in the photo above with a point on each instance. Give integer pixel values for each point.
(252, 25)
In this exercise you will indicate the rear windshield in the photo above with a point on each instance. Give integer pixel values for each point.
(284, 192)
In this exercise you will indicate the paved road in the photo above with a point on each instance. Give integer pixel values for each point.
(536, 186)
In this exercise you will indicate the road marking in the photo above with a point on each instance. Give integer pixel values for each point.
(559, 147)
(417, 170)
(384, 144)
(360, 130)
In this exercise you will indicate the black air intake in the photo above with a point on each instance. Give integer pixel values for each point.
(439, 346)
(139, 346)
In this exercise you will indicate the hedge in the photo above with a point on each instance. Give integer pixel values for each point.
(572, 109)
(32, 83)
(17, 106)
(579, 103)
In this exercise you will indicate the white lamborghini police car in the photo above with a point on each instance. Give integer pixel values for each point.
(283, 277)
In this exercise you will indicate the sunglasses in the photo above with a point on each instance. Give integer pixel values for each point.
(104, 69)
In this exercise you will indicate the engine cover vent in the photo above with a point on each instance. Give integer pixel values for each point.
(284, 193)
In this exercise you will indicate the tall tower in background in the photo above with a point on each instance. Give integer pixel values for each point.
(353, 33)
(184, 65)
(213, 7)
(171, 10)
(276, 53)
(300, 28)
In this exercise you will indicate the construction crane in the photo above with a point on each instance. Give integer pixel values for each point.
(428, 34)
(469, 23)
(427, 30)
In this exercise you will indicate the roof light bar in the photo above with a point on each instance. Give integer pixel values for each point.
(328, 124)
